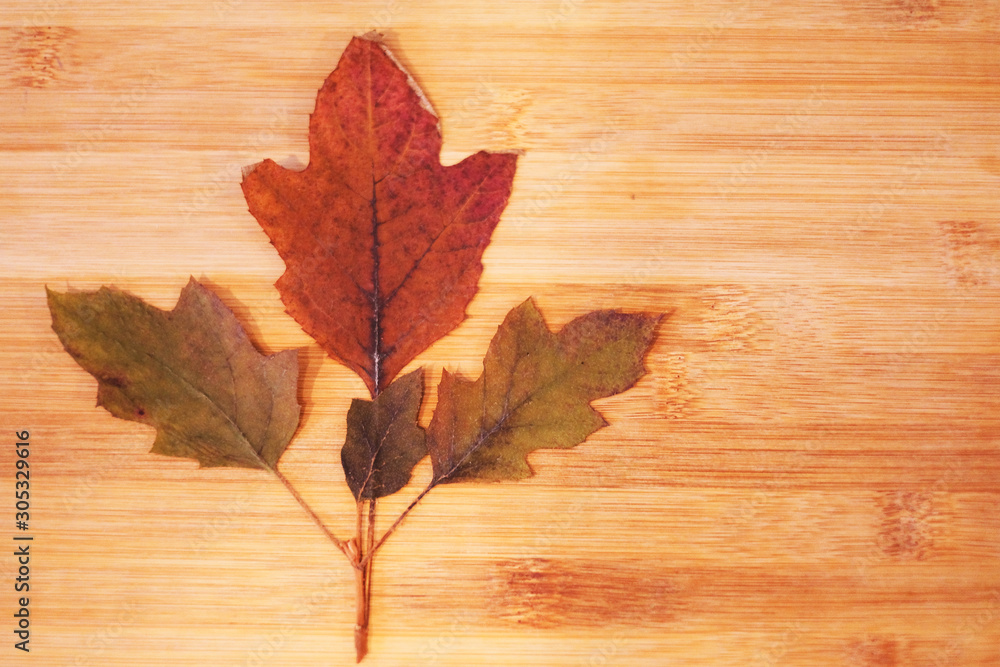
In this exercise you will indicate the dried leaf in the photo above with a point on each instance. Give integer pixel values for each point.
(384, 440)
(382, 244)
(535, 392)
(192, 373)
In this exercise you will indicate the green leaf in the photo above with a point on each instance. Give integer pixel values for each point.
(535, 392)
(384, 440)
(192, 373)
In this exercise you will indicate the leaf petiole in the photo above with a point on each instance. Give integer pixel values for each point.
(341, 544)
(377, 545)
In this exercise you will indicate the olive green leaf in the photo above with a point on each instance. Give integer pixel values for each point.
(191, 372)
(535, 392)
(384, 440)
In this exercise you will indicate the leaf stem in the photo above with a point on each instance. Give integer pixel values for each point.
(361, 619)
(362, 586)
(341, 544)
(369, 546)
(375, 547)
(359, 529)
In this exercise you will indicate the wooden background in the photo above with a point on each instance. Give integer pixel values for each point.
(810, 473)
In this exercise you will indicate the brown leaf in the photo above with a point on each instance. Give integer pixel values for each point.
(535, 392)
(384, 440)
(191, 372)
(382, 245)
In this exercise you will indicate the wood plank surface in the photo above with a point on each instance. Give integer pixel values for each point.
(810, 473)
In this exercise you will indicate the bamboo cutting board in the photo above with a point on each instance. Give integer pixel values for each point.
(810, 473)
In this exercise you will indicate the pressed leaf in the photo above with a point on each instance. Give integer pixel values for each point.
(384, 440)
(191, 372)
(535, 392)
(382, 245)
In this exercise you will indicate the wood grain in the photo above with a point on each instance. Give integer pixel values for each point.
(810, 474)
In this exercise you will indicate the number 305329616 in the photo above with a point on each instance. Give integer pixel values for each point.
(22, 481)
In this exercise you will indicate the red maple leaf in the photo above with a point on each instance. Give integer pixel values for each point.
(382, 245)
